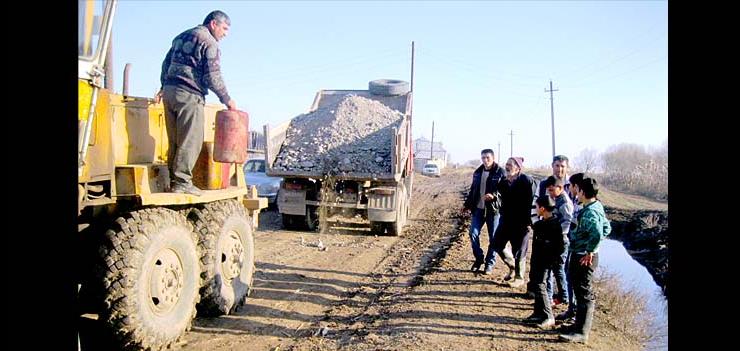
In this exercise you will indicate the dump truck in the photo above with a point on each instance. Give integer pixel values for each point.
(382, 198)
(149, 259)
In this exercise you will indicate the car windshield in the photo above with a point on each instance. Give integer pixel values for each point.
(255, 166)
(431, 166)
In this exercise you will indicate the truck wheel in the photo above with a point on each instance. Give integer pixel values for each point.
(377, 228)
(395, 228)
(152, 279)
(388, 87)
(288, 221)
(227, 246)
(311, 218)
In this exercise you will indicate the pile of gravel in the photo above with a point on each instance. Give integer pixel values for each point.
(351, 136)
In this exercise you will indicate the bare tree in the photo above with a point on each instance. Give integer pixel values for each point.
(587, 160)
(632, 168)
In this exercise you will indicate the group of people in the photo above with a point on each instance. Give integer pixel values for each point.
(562, 214)
(565, 221)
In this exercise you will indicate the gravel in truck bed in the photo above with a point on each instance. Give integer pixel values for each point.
(351, 136)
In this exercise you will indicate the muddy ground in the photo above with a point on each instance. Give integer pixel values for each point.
(364, 292)
(412, 292)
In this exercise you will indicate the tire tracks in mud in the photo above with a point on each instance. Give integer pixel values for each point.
(434, 227)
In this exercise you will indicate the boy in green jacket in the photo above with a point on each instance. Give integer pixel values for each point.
(593, 226)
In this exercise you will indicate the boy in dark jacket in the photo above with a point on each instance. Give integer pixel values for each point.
(547, 246)
(482, 202)
(564, 211)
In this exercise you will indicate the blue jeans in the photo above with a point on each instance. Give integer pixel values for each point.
(477, 221)
(565, 291)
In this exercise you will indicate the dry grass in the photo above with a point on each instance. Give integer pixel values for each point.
(624, 308)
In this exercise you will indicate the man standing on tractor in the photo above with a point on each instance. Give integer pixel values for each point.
(191, 67)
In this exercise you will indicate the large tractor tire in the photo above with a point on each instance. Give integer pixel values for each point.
(227, 246)
(152, 279)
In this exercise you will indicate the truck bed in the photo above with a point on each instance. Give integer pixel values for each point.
(275, 136)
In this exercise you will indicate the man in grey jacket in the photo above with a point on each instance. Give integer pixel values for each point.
(191, 67)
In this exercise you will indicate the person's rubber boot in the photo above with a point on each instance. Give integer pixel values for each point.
(518, 274)
(584, 319)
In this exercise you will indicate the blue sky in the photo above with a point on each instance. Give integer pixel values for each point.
(481, 67)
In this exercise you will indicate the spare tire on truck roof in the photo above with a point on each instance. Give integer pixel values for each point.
(388, 87)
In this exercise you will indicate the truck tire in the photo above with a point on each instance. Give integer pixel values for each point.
(152, 279)
(396, 228)
(227, 246)
(288, 221)
(311, 219)
(377, 228)
(388, 87)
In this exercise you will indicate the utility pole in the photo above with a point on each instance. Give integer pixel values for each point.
(499, 151)
(431, 153)
(412, 66)
(511, 150)
(552, 117)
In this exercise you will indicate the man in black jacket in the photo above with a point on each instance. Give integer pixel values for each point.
(517, 191)
(483, 203)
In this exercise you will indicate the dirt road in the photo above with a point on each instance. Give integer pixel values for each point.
(364, 292)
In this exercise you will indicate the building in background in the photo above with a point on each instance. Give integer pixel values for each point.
(256, 145)
(423, 153)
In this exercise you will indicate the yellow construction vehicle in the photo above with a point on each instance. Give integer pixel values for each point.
(150, 259)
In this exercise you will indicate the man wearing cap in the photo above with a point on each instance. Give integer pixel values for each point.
(517, 191)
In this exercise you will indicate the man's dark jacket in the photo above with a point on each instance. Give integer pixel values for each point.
(495, 174)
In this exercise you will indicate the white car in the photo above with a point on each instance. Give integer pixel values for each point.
(254, 172)
(430, 169)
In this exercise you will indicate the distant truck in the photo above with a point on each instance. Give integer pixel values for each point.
(384, 199)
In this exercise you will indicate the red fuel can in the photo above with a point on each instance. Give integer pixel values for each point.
(230, 139)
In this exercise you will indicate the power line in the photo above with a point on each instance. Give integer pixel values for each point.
(621, 74)
(608, 64)
(632, 40)
(475, 69)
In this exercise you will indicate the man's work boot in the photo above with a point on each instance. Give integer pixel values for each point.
(546, 324)
(534, 318)
(517, 282)
(476, 266)
(567, 316)
(574, 337)
(567, 329)
(510, 276)
(188, 188)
